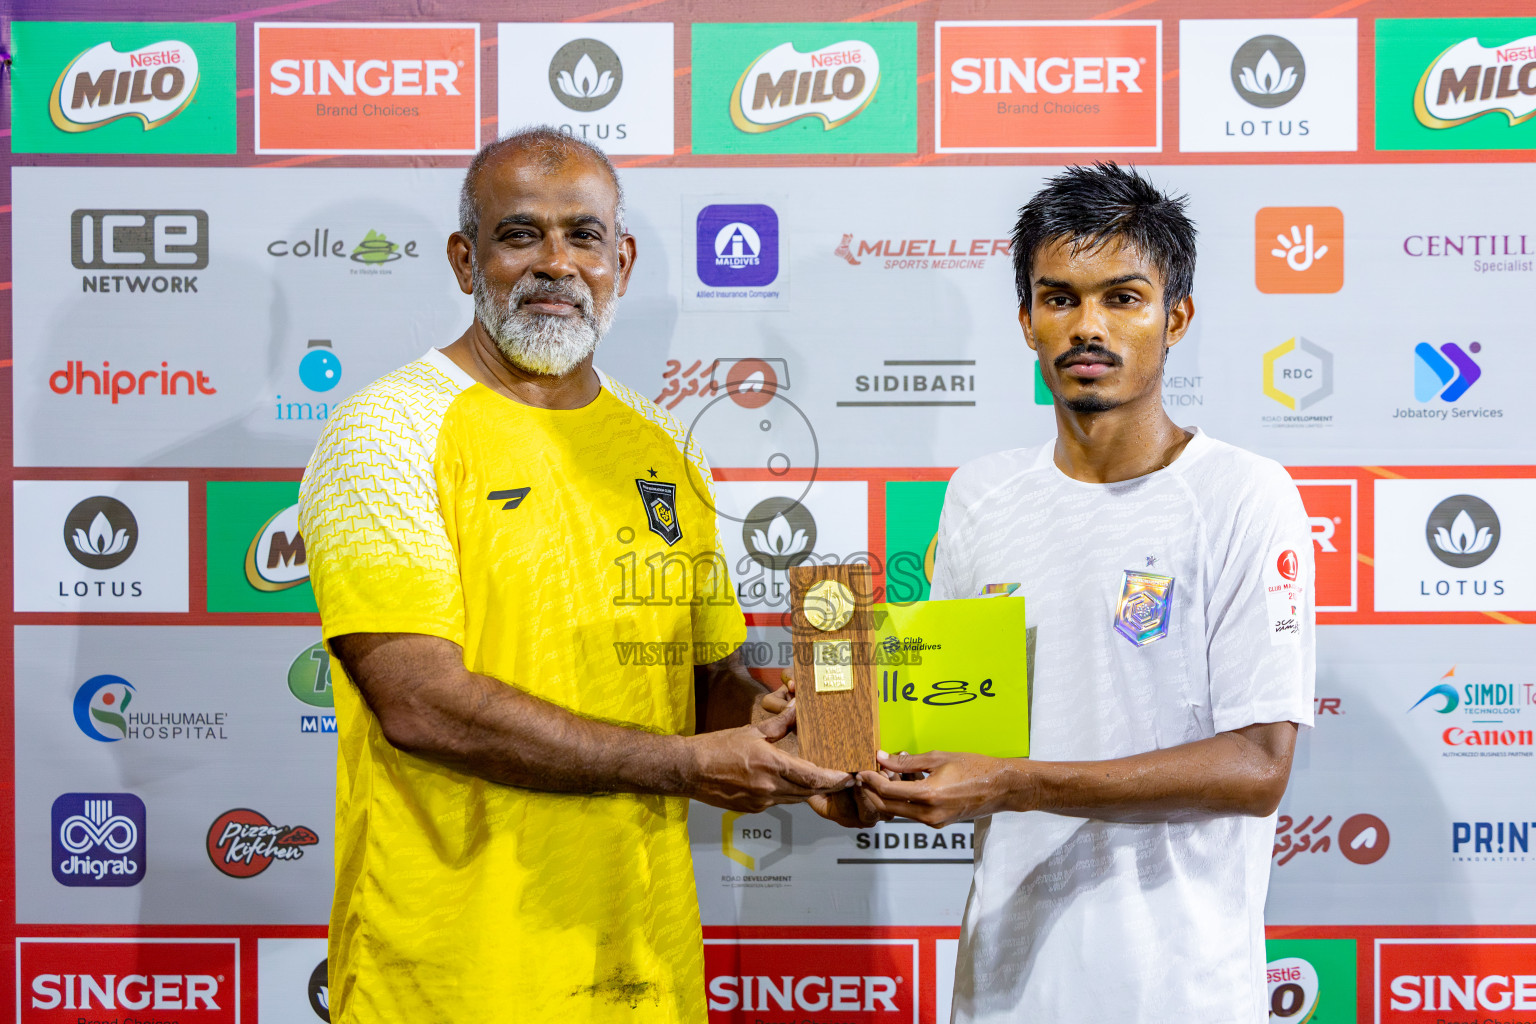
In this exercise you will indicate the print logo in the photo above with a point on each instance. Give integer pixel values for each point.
(1448, 375)
(779, 533)
(276, 559)
(1298, 384)
(1470, 80)
(98, 839)
(738, 245)
(1463, 531)
(1299, 249)
(1268, 71)
(101, 532)
(153, 83)
(242, 843)
(585, 75)
(660, 500)
(834, 83)
(101, 705)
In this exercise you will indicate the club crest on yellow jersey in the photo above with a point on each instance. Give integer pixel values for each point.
(660, 501)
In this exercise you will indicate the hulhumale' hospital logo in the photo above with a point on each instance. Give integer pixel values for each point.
(1463, 531)
(101, 532)
(738, 245)
(585, 75)
(1268, 71)
(153, 83)
(101, 705)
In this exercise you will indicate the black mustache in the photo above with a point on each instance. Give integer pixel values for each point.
(1087, 350)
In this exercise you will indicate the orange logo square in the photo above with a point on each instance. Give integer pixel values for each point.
(367, 88)
(1298, 250)
(1048, 86)
(1331, 512)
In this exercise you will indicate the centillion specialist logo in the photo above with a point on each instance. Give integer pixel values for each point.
(1469, 80)
(834, 83)
(153, 83)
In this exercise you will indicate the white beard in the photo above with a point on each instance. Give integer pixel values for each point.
(541, 343)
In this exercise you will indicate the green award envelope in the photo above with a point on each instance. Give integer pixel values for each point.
(952, 675)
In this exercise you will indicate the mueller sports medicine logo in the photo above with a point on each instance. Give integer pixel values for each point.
(98, 839)
(921, 253)
(834, 84)
(1028, 86)
(153, 83)
(242, 843)
(276, 559)
(871, 981)
(367, 88)
(738, 245)
(188, 981)
(1436, 981)
(101, 532)
(1470, 80)
(130, 242)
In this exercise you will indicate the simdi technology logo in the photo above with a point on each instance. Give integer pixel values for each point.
(122, 87)
(368, 88)
(1456, 83)
(256, 556)
(805, 88)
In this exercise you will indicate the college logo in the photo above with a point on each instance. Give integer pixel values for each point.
(1446, 376)
(585, 75)
(778, 533)
(1462, 531)
(101, 532)
(738, 245)
(138, 240)
(116, 87)
(190, 981)
(804, 88)
(276, 559)
(1433, 981)
(872, 981)
(1298, 373)
(367, 88)
(1331, 514)
(1299, 250)
(1268, 71)
(1048, 86)
(101, 706)
(660, 501)
(98, 839)
(242, 843)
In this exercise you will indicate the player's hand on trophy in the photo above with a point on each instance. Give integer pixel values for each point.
(742, 770)
(940, 788)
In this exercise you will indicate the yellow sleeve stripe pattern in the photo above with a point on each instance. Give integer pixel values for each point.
(686, 442)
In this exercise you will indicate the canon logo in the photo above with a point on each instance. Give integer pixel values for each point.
(1464, 992)
(1052, 74)
(128, 992)
(812, 993)
(369, 77)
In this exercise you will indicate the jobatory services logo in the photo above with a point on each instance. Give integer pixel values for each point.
(1267, 85)
(98, 839)
(1331, 516)
(607, 84)
(1298, 374)
(1445, 374)
(130, 242)
(1455, 83)
(368, 88)
(1478, 719)
(737, 245)
(1437, 980)
(1462, 531)
(101, 532)
(805, 88)
(242, 843)
(101, 708)
(123, 87)
(1048, 86)
(1299, 250)
(256, 556)
(188, 981)
(862, 981)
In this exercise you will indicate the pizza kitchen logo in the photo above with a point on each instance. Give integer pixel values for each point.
(242, 843)
(1470, 80)
(153, 83)
(834, 84)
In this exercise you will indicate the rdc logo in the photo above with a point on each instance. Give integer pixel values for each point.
(98, 839)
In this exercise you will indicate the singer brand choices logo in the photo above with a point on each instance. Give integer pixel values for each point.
(1298, 249)
(1456, 83)
(117, 87)
(1048, 86)
(1433, 981)
(98, 839)
(188, 981)
(367, 88)
(868, 981)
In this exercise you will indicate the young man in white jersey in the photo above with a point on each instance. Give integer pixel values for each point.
(1121, 870)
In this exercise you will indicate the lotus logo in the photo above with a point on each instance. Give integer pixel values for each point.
(779, 533)
(585, 75)
(1268, 71)
(100, 532)
(1463, 531)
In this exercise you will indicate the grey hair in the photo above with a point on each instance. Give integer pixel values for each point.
(551, 146)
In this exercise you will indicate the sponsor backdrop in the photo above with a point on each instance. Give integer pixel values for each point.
(225, 218)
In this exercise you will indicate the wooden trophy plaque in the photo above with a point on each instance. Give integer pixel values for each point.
(836, 717)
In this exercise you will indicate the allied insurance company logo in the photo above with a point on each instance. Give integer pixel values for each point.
(189, 981)
(1299, 250)
(276, 559)
(100, 532)
(586, 75)
(737, 245)
(1486, 718)
(243, 843)
(153, 83)
(98, 839)
(1433, 980)
(375, 88)
(1469, 80)
(872, 981)
(833, 83)
(1048, 86)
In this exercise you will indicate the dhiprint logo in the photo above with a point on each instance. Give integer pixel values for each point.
(1463, 531)
(101, 706)
(738, 245)
(242, 843)
(276, 559)
(834, 83)
(586, 75)
(153, 83)
(98, 839)
(1447, 375)
(1268, 71)
(1299, 249)
(101, 532)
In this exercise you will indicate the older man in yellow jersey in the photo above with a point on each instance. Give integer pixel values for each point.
(512, 796)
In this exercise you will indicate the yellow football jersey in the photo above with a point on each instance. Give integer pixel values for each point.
(573, 554)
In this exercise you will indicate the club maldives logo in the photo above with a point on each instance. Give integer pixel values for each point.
(1299, 249)
(738, 245)
(242, 843)
(586, 75)
(834, 83)
(1470, 80)
(276, 559)
(1268, 71)
(101, 532)
(98, 839)
(1445, 374)
(1462, 531)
